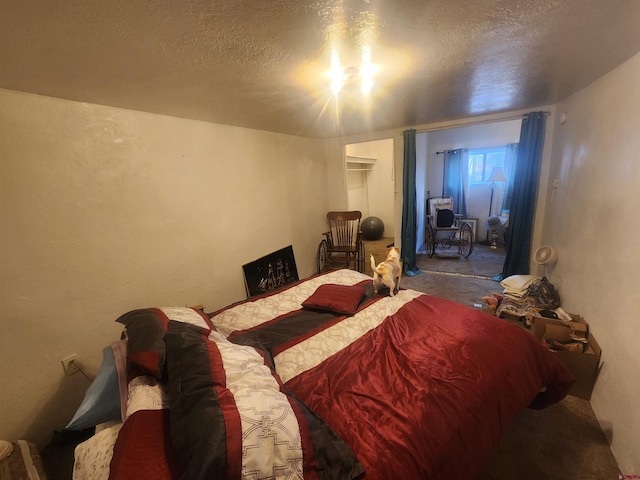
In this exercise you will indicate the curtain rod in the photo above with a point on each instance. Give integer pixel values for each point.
(479, 122)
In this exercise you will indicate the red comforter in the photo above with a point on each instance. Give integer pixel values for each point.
(418, 387)
(431, 391)
(428, 392)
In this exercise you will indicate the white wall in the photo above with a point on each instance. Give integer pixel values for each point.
(379, 181)
(592, 218)
(103, 210)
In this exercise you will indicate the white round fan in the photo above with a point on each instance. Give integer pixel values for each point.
(545, 255)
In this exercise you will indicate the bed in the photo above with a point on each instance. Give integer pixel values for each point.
(320, 379)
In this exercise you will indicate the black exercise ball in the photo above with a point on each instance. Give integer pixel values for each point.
(372, 228)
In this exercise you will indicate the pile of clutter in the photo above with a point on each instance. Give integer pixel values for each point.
(533, 300)
(523, 297)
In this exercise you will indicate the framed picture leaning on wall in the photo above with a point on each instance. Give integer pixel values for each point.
(270, 272)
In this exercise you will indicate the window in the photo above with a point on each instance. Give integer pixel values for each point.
(483, 160)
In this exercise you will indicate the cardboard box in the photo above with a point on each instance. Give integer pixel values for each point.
(541, 326)
(584, 366)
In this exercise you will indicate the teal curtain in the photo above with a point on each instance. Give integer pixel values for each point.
(409, 231)
(456, 178)
(523, 198)
(510, 156)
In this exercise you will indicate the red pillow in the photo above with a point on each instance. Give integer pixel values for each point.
(341, 299)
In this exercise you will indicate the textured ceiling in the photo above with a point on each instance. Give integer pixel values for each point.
(263, 64)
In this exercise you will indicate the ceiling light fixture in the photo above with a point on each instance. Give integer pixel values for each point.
(362, 74)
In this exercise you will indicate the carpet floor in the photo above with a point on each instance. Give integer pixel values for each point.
(563, 441)
(447, 274)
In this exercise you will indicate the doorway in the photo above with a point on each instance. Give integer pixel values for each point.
(430, 148)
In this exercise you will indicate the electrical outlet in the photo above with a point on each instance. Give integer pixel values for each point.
(70, 364)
